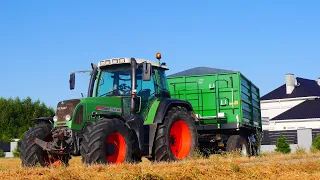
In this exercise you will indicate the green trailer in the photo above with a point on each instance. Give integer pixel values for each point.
(226, 106)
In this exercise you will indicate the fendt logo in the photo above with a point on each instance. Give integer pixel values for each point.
(110, 109)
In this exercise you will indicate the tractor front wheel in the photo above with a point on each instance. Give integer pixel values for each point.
(32, 154)
(106, 141)
(176, 138)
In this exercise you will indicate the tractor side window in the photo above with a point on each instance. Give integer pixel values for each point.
(145, 89)
(163, 79)
(104, 85)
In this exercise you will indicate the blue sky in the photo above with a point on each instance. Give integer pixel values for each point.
(42, 41)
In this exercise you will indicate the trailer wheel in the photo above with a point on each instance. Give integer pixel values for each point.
(255, 151)
(32, 154)
(238, 143)
(106, 141)
(176, 138)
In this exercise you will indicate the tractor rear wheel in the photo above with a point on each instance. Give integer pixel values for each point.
(32, 154)
(176, 138)
(106, 141)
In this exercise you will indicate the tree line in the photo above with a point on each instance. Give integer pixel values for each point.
(16, 116)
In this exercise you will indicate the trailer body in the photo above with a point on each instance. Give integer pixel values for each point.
(224, 103)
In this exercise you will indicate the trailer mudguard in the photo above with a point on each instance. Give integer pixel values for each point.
(166, 104)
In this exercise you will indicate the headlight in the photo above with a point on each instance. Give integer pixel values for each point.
(55, 118)
(68, 117)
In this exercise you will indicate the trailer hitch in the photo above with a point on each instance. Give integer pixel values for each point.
(62, 141)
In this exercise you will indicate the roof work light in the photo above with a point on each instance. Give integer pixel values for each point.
(158, 56)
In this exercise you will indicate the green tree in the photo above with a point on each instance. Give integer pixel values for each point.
(16, 115)
(282, 145)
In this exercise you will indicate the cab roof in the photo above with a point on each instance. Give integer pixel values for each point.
(113, 61)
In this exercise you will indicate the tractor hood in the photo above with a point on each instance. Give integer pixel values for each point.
(107, 105)
(75, 112)
(66, 109)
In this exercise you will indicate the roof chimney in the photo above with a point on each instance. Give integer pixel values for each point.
(290, 83)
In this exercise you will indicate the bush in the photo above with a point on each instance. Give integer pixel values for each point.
(282, 145)
(16, 152)
(314, 150)
(1, 153)
(259, 136)
(316, 142)
(301, 150)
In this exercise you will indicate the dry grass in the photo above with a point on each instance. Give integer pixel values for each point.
(268, 166)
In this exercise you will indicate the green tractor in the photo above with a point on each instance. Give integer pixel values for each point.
(127, 115)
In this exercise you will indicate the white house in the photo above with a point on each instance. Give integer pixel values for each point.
(294, 105)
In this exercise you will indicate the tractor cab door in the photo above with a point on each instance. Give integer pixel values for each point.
(145, 93)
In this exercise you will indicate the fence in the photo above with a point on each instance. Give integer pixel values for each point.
(8, 148)
(296, 138)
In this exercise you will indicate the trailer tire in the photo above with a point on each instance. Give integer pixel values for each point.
(238, 143)
(176, 138)
(106, 141)
(32, 154)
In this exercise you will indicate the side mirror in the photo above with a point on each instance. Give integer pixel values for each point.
(72, 81)
(146, 71)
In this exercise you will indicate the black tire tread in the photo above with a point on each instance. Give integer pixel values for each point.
(161, 149)
(234, 143)
(32, 154)
(92, 148)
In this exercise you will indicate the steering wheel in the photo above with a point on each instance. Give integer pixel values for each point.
(124, 89)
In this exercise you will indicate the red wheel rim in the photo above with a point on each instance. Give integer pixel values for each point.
(117, 143)
(180, 139)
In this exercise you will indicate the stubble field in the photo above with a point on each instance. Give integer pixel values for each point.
(268, 166)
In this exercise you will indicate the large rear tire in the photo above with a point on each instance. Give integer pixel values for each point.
(106, 141)
(176, 138)
(32, 154)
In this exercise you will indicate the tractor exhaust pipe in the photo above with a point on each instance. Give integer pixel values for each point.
(92, 79)
(133, 84)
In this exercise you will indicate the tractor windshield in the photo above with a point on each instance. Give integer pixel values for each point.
(114, 81)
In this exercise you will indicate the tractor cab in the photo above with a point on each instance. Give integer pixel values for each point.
(137, 83)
